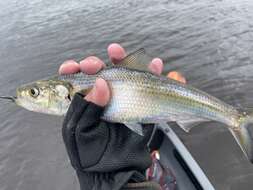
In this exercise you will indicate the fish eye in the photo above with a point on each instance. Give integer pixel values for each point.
(34, 92)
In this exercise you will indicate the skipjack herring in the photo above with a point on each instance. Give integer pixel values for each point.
(139, 97)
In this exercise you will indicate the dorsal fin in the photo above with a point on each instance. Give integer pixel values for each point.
(138, 60)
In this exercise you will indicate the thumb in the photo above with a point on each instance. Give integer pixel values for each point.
(100, 93)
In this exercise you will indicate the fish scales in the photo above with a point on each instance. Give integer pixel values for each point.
(140, 97)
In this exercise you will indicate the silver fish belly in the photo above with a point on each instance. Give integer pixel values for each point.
(145, 98)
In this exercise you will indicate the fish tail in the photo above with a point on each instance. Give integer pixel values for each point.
(244, 135)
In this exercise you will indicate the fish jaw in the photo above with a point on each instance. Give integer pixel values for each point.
(39, 109)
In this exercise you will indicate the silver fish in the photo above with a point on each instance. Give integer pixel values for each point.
(139, 97)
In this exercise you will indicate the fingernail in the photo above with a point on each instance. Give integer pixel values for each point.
(91, 65)
(62, 67)
(116, 52)
(156, 66)
(157, 60)
(69, 67)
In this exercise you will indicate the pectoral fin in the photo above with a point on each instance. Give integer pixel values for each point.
(137, 60)
(136, 127)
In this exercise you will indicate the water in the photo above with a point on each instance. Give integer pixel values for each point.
(210, 42)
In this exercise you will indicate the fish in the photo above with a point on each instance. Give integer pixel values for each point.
(139, 97)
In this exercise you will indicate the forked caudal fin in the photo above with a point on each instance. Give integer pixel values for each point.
(244, 136)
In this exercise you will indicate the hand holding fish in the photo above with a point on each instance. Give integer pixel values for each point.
(137, 94)
(100, 94)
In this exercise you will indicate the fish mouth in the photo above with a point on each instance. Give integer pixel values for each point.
(11, 98)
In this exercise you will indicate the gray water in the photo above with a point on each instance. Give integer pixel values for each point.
(209, 41)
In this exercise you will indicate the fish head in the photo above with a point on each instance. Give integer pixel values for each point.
(45, 96)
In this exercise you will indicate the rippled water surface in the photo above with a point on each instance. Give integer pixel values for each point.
(209, 41)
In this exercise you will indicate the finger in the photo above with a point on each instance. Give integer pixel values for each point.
(116, 52)
(100, 93)
(176, 76)
(156, 66)
(69, 67)
(91, 65)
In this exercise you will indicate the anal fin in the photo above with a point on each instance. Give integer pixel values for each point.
(188, 124)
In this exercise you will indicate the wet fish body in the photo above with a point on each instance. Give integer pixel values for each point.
(139, 97)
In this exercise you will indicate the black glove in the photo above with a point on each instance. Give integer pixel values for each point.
(106, 156)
